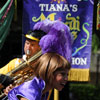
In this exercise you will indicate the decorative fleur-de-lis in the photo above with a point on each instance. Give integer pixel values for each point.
(58, 1)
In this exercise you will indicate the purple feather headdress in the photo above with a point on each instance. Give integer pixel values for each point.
(58, 38)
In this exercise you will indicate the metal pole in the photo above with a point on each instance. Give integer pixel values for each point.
(56, 94)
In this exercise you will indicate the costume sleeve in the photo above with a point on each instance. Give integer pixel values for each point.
(12, 95)
(11, 65)
(25, 93)
(31, 90)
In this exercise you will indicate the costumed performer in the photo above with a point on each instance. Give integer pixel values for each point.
(50, 66)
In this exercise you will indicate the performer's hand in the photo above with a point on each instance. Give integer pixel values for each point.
(22, 98)
(8, 88)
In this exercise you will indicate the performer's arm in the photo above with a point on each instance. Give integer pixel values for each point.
(11, 65)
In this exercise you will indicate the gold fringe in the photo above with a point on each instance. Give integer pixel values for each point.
(78, 75)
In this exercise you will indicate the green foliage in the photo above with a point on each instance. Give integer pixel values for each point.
(85, 91)
(95, 43)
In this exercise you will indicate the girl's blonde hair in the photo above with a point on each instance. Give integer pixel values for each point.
(47, 64)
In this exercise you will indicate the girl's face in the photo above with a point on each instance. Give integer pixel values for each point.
(60, 79)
